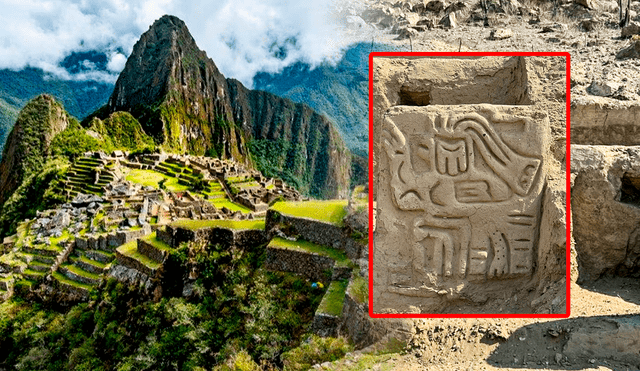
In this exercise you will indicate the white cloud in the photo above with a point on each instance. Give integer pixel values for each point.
(116, 62)
(241, 37)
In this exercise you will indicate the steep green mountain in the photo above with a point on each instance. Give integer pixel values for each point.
(182, 100)
(80, 98)
(177, 93)
(28, 145)
(292, 141)
(340, 91)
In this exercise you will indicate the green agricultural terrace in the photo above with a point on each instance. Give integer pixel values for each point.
(332, 211)
(219, 223)
(337, 255)
(213, 193)
(153, 178)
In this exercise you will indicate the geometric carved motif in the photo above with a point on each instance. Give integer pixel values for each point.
(470, 179)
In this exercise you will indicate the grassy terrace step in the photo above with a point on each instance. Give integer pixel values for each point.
(130, 249)
(301, 245)
(75, 178)
(25, 282)
(173, 166)
(162, 166)
(89, 265)
(39, 266)
(153, 240)
(219, 223)
(32, 274)
(333, 299)
(63, 279)
(89, 160)
(44, 259)
(93, 262)
(101, 256)
(331, 211)
(224, 202)
(43, 249)
(85, 169)
(76, 273)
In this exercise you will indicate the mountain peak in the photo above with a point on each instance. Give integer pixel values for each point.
(168, 21)
(145, 78)
(28, 143)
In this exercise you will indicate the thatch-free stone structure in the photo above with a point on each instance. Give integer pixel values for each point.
(464, 153)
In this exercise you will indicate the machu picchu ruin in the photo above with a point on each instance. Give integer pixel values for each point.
(126, 214)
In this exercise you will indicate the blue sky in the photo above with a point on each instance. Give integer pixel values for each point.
(242, 37)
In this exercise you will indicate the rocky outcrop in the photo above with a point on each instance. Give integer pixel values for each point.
(605, 204)
(28, 144)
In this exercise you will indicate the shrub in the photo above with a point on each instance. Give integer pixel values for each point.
(315, 350)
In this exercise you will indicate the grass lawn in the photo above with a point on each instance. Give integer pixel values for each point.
(333, 298)
(231, 224)
(224, 202)
(335, 254)
(332, 211)
(152, 178)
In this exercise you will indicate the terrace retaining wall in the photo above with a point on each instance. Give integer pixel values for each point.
(316, 231)
(134, 264)
(310, 265)
(174, 236)
(151, 251)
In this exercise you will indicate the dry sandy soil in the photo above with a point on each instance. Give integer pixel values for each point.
(514, 344)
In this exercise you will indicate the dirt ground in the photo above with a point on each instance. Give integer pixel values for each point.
(512, 344)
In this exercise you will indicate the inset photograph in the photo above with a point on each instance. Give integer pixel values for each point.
(468, 185)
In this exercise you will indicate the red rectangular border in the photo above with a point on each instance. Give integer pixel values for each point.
(568, 181)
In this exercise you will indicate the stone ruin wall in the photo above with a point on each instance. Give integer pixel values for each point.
(469, 179)
(316, 231)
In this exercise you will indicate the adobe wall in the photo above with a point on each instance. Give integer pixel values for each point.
(469, 182)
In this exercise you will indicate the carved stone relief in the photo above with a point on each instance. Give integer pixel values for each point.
(463, 185)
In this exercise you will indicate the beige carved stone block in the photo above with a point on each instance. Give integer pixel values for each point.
(459, 191)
